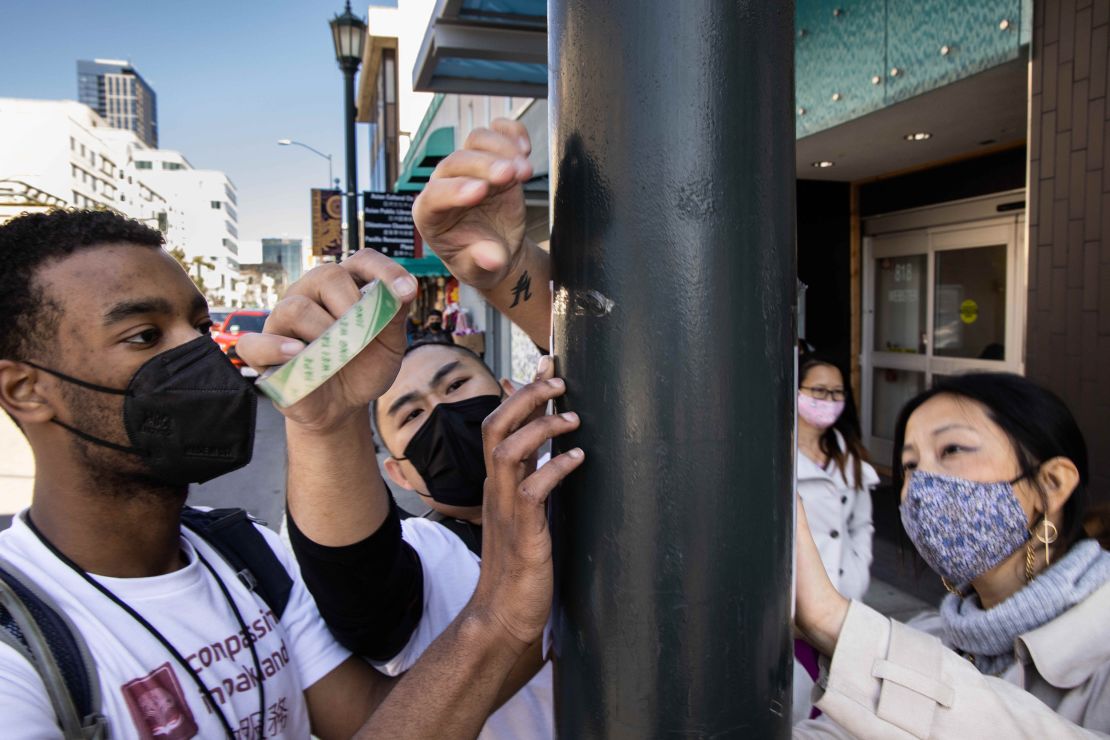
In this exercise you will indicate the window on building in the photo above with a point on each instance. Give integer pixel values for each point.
(72, 144)
(144, 165)
(216, 205)
(172, 166)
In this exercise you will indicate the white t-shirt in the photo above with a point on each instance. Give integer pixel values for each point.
(145, 693)
(450, 577)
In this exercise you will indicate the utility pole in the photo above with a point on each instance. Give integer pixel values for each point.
(673, 250)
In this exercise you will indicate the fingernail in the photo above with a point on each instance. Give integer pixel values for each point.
(569, 416)
(524, 144)
(291, 347)
(402, 286)
(521, 165)
(501, 168)
(576, 453)
(543, 366)
(472, 187)
(555, 382)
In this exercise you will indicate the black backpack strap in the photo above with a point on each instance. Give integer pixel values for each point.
(37, 628)
(232, 533)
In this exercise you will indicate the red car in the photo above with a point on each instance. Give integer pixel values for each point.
(236, 325)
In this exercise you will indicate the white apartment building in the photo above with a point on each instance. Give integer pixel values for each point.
(62, 153)
(206, 226)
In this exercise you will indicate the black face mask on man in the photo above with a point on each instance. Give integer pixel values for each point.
(447, 451)
(188, 413)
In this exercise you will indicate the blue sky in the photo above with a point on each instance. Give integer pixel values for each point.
(231, 77)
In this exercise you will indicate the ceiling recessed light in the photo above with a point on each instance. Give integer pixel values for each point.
(822, 164)
(918, 136)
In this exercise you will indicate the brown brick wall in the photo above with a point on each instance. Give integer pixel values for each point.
(1068, 334)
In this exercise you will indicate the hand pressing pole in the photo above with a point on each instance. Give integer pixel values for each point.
(455, 684)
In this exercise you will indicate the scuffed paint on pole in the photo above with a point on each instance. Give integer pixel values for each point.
(672, 133)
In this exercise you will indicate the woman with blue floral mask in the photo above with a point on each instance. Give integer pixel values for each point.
(834, 485)
(993, 476)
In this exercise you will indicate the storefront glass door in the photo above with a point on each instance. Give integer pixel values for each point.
(937, 302)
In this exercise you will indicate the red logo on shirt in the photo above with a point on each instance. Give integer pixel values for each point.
(158, 706)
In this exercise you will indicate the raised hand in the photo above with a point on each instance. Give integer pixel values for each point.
(517, 579)
(310, 306)
(820, 609)
(471, 212)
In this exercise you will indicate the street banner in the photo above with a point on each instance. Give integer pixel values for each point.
(327, 223)
(387, 223)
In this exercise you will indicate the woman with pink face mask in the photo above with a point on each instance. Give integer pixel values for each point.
(834, 483)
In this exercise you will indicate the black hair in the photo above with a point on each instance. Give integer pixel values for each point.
(1038, 424)
(428, 343)
(32, 240)
(847, 424)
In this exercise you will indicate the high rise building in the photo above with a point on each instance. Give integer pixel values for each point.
(286, 252)
(120, 95)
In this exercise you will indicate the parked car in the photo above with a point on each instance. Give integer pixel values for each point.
(217, 314)
(238, 323)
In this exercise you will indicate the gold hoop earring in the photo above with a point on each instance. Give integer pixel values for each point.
(1048, 538)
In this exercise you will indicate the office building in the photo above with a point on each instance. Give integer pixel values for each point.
(115, 90)
(207, 226)
(59, 153)
(285, 252)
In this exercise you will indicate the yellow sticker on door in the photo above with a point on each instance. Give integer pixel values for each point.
(969, 311)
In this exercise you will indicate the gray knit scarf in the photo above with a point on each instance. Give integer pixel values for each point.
(989, 635)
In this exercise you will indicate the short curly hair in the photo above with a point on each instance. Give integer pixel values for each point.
(34, 239)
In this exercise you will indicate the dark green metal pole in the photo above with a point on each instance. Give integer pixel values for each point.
(673, 247)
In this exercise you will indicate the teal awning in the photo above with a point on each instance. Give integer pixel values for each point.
(430, 266)
(418, 168)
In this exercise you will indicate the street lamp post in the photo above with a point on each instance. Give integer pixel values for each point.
(290, 142)
(349, 34)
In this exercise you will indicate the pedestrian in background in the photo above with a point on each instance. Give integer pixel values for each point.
(434, 332)
(834, 483)
(995, 496)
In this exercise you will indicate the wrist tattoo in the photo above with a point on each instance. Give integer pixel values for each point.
(523, 288)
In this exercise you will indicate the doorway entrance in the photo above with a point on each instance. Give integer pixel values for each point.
(943, 293)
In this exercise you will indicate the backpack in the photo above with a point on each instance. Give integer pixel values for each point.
(33, 624)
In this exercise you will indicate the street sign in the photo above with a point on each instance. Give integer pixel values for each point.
(387, 223)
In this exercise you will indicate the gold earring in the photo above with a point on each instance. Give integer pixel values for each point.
(1029, 557)
(1048, 539)
(949, 587)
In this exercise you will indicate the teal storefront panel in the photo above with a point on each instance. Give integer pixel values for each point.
(839, 51)
(976, 35)
(853, 57)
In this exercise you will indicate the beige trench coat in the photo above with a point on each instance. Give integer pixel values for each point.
(887, 680)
